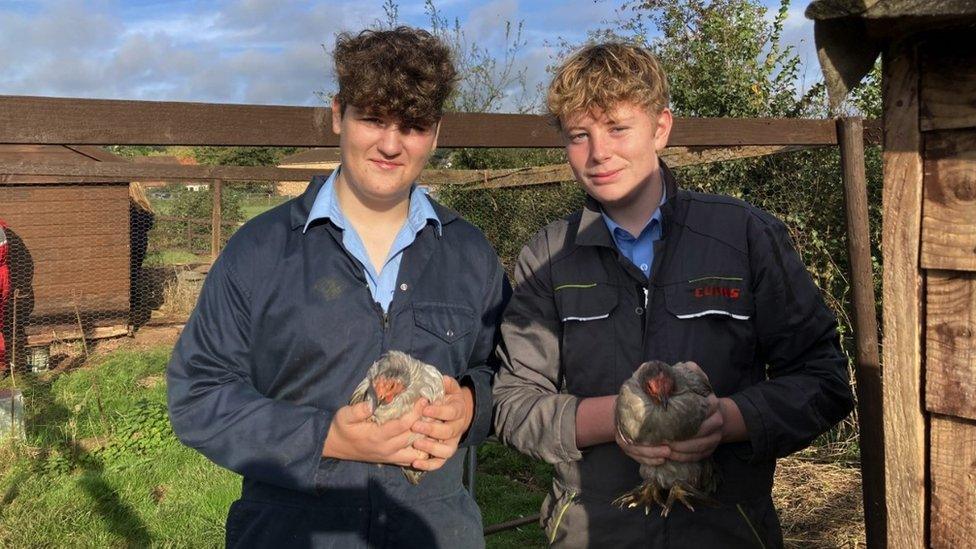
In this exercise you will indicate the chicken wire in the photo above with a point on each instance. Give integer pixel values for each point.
(168, 254)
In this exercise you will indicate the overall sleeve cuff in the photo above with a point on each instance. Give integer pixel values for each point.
(758, 449)
(566, 422)
(481, 419)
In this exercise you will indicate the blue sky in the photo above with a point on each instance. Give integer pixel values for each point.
(259, 51)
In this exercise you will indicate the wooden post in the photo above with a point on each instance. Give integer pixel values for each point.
(867, 366)
(905, 422)
(215, 221)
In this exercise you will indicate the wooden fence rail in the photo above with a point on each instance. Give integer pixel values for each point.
(61, 121)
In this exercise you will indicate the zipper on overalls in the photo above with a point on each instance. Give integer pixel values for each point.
(642, 292)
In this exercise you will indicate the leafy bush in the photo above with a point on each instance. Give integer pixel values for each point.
(195, 209)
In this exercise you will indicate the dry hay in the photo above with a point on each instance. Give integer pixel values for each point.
(180, 296)
(819, 503)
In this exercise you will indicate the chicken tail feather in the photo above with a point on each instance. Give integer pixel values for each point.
(414, 476)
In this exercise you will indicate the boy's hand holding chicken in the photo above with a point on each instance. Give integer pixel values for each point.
(404, 413)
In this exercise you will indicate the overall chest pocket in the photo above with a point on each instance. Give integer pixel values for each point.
(588, 339)
(442, 335)
(712, 324)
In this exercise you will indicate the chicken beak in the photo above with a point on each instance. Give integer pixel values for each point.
(664, 402)
(371, 397)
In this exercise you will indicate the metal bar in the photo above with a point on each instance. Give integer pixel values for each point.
(510, 524)
(867, 371)
(471, 467)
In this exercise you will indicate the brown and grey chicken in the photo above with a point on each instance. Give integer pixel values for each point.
(393, 384)
(662, 403)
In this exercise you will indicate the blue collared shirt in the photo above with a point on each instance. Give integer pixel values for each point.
(639, 250)
(382, 284)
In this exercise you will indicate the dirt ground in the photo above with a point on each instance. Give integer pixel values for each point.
(819, 502)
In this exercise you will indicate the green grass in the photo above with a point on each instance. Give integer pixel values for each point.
(254, 205)
(140, 487)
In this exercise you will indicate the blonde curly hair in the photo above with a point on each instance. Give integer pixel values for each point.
(603, 75)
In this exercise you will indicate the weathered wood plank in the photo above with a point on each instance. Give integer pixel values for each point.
(80, 270)
(108, 122)
(949, 224)
(111, 306)
(92, 290)
(59, 240)
(948, 82)
(950, 343)
(113, 122)
(93, 253)
(156, 172)
(90, 219)
(953, 466)
(79, 209)
(46, 334)
(867, 369)
(905, 422)
(29, 226)
(9, 195)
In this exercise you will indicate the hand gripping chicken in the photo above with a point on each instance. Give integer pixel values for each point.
(659, 404)
(393, 384)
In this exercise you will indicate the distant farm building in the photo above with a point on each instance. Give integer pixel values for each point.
(324, 159)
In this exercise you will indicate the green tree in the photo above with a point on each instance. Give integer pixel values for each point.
(244, 156)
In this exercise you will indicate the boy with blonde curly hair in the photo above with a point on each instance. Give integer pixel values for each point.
(648, 270)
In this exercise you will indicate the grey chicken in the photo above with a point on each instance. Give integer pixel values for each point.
(663, 403)
(392, 386)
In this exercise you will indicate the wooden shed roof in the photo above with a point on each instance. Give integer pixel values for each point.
(57, 154)
(850, 34)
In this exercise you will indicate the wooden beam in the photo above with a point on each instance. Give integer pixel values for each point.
(15, 172)
(156, 172)
(949, 224)
(39, 120)
(215, 220)
(953, 464)
(948, 83)
(867, 370)
(950, 343)
(905, 423)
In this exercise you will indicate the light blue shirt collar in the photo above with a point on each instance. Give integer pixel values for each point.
(616, 229)
(326, 206)
(382, 283)
(639, 249)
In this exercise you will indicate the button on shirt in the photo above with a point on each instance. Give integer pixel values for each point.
(639, 250)
(382, 285)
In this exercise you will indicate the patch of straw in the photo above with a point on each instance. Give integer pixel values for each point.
(179, 297)
(819, 504)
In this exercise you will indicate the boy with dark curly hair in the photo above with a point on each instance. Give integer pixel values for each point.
(645, 271)
(304, 298)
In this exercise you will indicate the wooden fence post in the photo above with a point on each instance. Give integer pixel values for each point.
(867, 367)
(215, 221)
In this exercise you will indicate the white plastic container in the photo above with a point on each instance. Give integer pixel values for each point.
(11, 413)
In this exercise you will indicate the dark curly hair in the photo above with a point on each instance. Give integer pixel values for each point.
(404, 74)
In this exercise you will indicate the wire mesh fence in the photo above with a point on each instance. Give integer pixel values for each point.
(93, 260)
